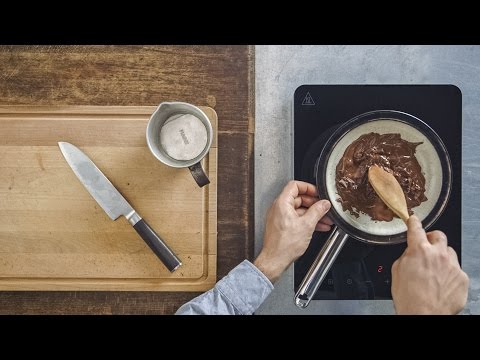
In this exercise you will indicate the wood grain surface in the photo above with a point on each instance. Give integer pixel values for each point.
(216, 76)
(53, 234)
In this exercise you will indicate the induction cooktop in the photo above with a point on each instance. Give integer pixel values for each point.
(362, 271)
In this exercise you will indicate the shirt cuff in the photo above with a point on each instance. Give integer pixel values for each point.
(246, 287)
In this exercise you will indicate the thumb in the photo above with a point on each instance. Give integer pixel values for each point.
(316, 212)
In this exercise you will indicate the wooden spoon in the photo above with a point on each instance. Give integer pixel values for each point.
(389, 190)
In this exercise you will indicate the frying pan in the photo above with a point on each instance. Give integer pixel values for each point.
(434, 160)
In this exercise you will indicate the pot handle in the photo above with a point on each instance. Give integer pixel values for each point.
(320, 267)
(199, 174)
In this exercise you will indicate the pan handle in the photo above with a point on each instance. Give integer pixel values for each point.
(320, 267)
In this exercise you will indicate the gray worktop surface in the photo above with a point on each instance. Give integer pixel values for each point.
(279, 70)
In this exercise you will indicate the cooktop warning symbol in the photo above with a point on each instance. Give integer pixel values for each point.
(308, 100)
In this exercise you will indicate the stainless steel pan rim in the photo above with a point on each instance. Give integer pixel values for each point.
(438, 208)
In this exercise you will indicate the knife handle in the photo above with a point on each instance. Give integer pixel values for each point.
(158, 246)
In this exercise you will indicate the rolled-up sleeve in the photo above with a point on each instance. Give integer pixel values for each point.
(241, 292)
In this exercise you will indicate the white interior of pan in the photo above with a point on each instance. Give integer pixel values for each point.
(426, 155)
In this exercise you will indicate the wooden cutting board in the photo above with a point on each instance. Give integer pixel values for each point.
(53, 234)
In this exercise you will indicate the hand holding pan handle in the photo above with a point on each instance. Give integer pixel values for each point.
(320, 267)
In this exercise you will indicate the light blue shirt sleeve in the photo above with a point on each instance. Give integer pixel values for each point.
(241, 292)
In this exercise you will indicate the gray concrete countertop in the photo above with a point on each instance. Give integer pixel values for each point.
(279, 70)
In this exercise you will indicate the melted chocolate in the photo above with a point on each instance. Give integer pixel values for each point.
(392, 153)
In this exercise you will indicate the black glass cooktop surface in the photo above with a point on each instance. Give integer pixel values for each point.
(362, 271)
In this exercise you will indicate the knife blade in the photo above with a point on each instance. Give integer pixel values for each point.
(113, 203)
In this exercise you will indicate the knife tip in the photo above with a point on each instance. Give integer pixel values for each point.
(63, 146)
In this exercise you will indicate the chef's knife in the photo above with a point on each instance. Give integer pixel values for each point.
(114, 204)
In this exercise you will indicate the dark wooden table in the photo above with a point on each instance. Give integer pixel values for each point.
(218, 76)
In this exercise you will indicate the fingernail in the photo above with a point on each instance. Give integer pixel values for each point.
(326, 205)
(414, 219)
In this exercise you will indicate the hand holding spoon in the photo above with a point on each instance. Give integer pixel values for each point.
(389, 190)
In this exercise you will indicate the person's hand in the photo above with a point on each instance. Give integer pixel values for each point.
(291, 220)
(427, 278)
